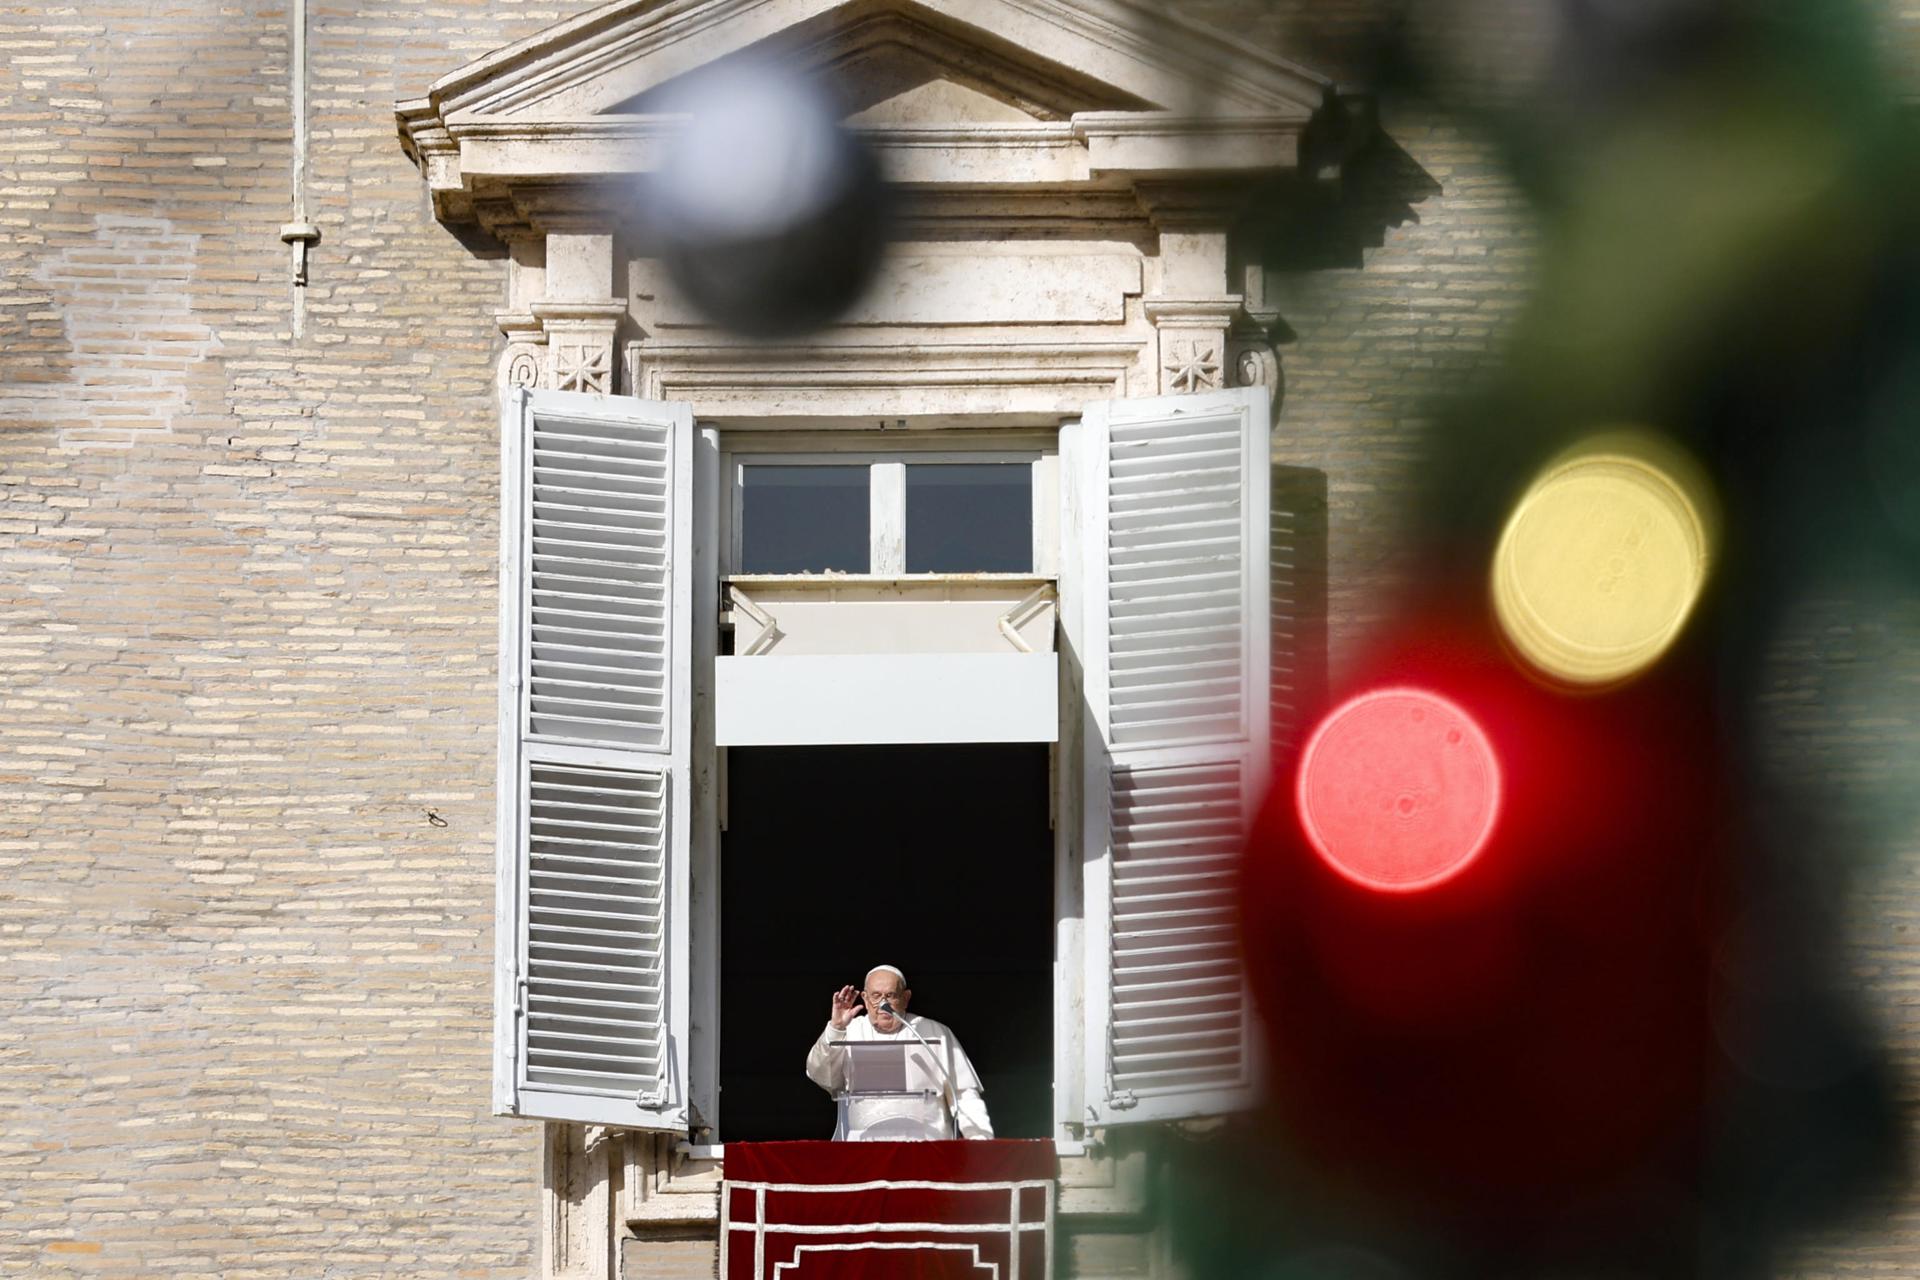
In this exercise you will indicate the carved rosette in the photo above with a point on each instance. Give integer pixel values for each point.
(1190, 364)
(580, 344)
(1194, 351)
(580, 360)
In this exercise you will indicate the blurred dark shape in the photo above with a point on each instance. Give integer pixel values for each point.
(1306, 226)
(1297, 563)
(1504, 1061)
(1336, 1262)
(1629, 1041)
(1613, 1045)
(770, 216)
(1892, 441)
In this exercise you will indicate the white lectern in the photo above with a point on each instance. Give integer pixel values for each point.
(896, 1092)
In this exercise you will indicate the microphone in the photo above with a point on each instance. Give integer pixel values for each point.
(952, 1093)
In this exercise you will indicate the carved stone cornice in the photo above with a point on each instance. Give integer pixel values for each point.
(994, 215)
(1037, 380)
(1100, 80)
(1150, 143)
(1208, 203)
(610, 312)
(1194, 312)
(519, 325)
(502, 218)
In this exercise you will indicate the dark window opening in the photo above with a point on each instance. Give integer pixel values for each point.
(937, 859)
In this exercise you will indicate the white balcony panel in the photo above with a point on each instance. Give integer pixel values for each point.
(844, 699)
(873, 614)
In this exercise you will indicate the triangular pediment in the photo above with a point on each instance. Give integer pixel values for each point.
(901, 65)
(936, 98)
(1046, 59)
(1023, 95)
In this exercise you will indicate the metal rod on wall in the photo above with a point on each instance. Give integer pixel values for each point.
(299, 234)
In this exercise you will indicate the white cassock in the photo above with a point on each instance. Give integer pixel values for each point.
(827, 1068)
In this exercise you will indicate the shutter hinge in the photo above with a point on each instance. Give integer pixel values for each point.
(520, 998)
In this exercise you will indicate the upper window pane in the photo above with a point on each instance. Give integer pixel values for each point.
(802, 519)
(970, 517)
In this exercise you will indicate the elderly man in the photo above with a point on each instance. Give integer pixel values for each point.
(885, 997)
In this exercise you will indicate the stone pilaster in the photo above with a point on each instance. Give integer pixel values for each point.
(524, 362)
(577, 1227)
(1193, 311)
(565, 314)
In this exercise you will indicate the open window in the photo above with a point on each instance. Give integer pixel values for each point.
(1153, 514)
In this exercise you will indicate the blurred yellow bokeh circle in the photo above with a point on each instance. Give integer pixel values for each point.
(1604, 557)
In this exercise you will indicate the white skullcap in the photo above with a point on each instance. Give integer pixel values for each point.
(887, 968)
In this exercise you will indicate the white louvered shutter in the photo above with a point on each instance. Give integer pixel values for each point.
(1174, 651)
(1297, 572)
(591, 1000)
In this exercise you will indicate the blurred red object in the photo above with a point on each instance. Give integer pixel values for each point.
(1398, 789)
(1524, 1044)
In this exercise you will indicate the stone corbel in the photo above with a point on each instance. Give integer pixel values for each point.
(1253, 362)
(1193, 311)
(1253, 344)
(1253, 355)
(524, 363)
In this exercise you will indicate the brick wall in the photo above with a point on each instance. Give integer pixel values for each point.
(246, 660)
(246, 638)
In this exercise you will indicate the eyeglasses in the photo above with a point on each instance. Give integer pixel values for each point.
(879, 997)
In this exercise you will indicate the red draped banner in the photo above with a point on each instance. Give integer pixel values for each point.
(887, 1211)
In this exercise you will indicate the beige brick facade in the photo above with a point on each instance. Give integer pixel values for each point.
(247, 633)
(249, 636)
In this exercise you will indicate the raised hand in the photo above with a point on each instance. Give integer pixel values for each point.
(846, 1003)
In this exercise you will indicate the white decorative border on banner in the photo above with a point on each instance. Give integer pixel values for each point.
(1014, 1225)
